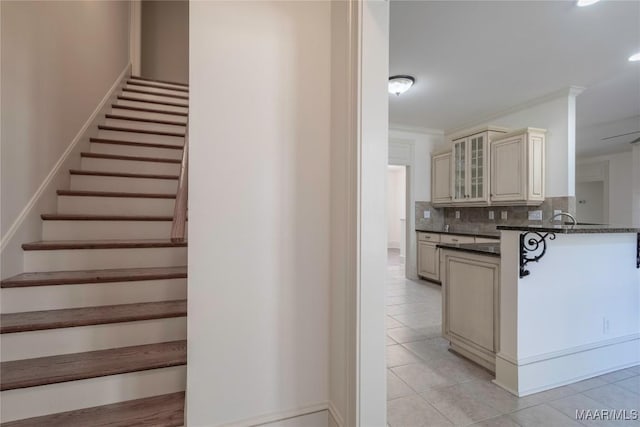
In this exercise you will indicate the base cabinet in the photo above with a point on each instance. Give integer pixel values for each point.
(429, 261)
(471, 305)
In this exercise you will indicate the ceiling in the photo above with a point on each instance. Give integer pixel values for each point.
(472, 59)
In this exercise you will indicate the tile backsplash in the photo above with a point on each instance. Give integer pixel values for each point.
(477, 218)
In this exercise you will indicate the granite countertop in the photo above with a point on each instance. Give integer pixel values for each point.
(460, 232)
(492, 249)
(571, 229)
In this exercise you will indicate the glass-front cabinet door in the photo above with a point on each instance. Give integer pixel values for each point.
(477, 162)
(459, 180)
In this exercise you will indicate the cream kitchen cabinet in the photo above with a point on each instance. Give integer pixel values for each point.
(470, 166)
(441, 178)
(429, 256)
(471, 305)
(517, 167)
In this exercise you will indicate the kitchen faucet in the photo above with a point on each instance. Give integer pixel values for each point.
(567, 214)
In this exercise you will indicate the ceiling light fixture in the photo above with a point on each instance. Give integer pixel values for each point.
(583, 3)
(400, 84)
(634, 58)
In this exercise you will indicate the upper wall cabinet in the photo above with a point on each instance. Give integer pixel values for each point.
(517, 167)
(441, 178)
(470, 166)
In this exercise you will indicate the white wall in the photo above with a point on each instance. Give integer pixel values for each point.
(165, 40)
(396, 206)
(59, 59)
(620, 186)
(259, 199)
(635, 179)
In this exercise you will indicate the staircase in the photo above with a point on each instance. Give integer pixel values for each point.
(94, 332)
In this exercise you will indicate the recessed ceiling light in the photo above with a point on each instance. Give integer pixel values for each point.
(634, 58)
(400, 84)
(583, 3)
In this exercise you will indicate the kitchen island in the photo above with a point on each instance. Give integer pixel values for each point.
(569, 304)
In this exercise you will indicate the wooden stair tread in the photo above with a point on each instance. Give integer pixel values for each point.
(157, 86)
(146, 92)
(100, 244)
(149, 110)
(85, 316)
(74, 217)
(131, 158)
(148, 101)
(122, 174)
(93, 364)
(144, 120)
(84, 193)
(54, 278)
(145, 131)
(146, 79)
(135, 143)
(158, 411)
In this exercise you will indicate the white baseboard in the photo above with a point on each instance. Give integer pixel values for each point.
(335, 415)
(27, 225)
(279, 416)
(543, 372)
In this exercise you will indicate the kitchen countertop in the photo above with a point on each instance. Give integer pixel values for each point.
(571, 229)
(492, 249)
(460, 232)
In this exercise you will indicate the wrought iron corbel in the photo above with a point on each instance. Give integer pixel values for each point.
(533, 246)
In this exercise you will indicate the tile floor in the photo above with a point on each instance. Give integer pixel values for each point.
(429, 386)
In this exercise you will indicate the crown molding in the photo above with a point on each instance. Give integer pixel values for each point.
(415, 129)
(564, 92)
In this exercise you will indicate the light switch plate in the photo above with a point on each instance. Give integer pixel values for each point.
(426, 214)
(492, 215)
(535, 215)
(503, 215)
(457, 214)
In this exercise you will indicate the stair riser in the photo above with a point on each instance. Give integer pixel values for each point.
(51, 342)
(152, 106)
(43, 400)
(89, 259)
(157, 90)
(81, 205)
(141, 137)
(35, 298)
(123, 184)
(146, 115)
(97, 230)
(160, 84)
(156, 127)
(155, 98)
(134, 150)
(129, 166)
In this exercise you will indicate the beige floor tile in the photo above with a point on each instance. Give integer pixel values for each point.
(404, 335)
(631, 384)
(396, 387)
(432, 331)
(614, 377)
(405, 299)
(501, 421)
(421, 378)
(614, 396)
(407, 308)
(391, 323)
(459, 408)
(553, 394)
(390, 341)
(458, 369)
(542, 416)
(585, 385)
(413, 411)
(495, 396)
(398, 356)
(429, 349)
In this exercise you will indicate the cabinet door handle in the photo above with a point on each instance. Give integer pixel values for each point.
(454, 240)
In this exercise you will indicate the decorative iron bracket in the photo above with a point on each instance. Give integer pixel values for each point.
(638, 252)
(533, 246)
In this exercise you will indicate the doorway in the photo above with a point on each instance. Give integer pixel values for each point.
(396, 216)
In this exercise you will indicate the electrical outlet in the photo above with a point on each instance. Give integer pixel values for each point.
(556, 212)
(426, 214)
(491, 215)
(535, 215)
(503, 215)
(457, 214)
